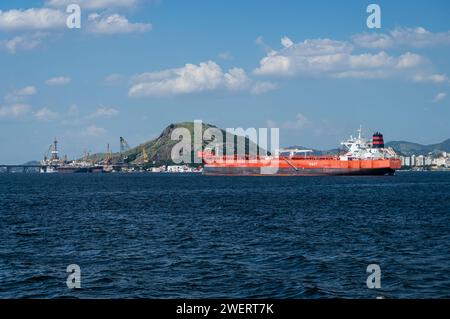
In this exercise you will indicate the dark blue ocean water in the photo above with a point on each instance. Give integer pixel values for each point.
(166, 236)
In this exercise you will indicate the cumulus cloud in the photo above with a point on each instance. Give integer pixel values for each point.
(260, 40)
(92, 131)
(319, 54)
(15, 110)
(331, 58)
(431, 78)
(60, 80)
(45, 114)
(104, 112)
(439, 97)
(402, 37)
(260, 87)
(207, 76)
(227, 56)
(20, 94)
(112, 79)
(22, 42)
(32, 19)
(92, 4)
(114, 24)
(299, 122)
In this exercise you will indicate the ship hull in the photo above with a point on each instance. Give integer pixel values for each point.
(72, 170)
(313, 166)
(252, 171)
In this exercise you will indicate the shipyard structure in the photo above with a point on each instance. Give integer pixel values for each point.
(53, 163)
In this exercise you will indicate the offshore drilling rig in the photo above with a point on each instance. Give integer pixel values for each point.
(109, 162)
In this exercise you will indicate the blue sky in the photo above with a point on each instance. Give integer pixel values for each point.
(311, 68)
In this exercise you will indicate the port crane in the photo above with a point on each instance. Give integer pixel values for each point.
(144, 156)
(124, 146)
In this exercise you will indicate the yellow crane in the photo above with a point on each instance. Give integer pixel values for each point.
(144, 155)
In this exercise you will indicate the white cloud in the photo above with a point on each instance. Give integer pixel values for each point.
(104, 112)
(410, 60)
(262, 44)
(114, 24)
(331, 58)
(227, 56)
(45, 114)
(402, 37)
(262, 87)
(20, 94)
(15, 110)
(431, 78)
(260, 40)
(32, 19)
(319, 54)
(60, 80)
(373, 40)
(22, 42)
(26, 91)
(207, 76)
(439, 97)
(93, 130)
(74, 118)
(298, 123)
(112, 79)
(93, 4)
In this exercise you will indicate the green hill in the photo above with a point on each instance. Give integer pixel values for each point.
(159, 149)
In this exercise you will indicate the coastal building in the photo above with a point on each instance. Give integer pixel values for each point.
(430, 161)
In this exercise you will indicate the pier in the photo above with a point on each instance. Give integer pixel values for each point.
(19, 168)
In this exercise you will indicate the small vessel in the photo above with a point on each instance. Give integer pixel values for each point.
(361, 157)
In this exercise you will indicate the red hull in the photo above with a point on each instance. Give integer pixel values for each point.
(299, 166)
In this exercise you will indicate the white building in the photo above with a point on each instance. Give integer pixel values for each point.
(175, 169)
(420, 160)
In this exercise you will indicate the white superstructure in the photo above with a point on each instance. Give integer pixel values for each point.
(363, 148)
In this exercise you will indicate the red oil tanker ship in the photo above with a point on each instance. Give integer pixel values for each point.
(361, 157)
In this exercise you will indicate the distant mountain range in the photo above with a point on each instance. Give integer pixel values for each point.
(408, 148)
(401, 147)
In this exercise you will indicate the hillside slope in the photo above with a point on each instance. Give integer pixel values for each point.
(159, 149)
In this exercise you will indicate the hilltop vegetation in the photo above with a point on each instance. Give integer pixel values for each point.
(159, 149)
